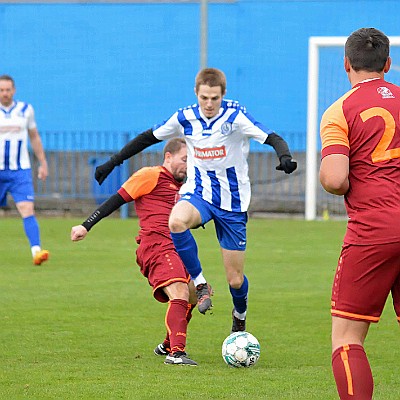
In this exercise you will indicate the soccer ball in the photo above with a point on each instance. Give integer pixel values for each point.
(240, 349)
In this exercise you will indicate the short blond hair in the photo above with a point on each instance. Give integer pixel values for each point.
(211, 77)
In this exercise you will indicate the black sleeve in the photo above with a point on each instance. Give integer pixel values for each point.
(280, 146)
(136, 145)
(105, 209)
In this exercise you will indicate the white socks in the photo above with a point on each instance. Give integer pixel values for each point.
(199, 279)
(35, 249)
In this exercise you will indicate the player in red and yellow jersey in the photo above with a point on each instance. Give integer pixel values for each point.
(360, 135)
(155, 191)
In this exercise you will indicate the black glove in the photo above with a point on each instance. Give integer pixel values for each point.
(287, 164)
(103, 170)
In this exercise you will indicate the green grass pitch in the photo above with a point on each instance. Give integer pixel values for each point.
(84, 324)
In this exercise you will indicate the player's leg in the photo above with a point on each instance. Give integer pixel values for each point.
(176, 322)
(183, 217)
(164, 348)
(175, 319)
(396, 296)
(361, 270)
(22, 192)
(186, 215)
(4, 187)
(161, 265)
(238, 286)
(350, 364)
(231, 233)
(192, 301)
(32, 232)
(192, 294)
(346, 331)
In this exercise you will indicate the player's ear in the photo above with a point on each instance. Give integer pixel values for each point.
(387, 65)
(347, 65)
(167, 156)
(195, 91)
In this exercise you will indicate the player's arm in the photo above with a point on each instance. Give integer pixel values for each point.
(281, 148)
(136, 145)
(334, 174)
(37, 146)
(79, 232)
(334, 169)
(258, 131)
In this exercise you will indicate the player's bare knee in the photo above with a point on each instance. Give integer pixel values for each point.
(235, 282)
(177, 291)
(182, 292)
(176, 225)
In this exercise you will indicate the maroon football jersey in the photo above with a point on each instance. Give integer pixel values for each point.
(155, 192)
(365, 125)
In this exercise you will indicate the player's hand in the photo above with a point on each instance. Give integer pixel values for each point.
(103, 170)
(43, 172)
(78, 233)
(287, 164)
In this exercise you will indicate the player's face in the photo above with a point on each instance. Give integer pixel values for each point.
(178, 164)
(7, 91)
(209, 98)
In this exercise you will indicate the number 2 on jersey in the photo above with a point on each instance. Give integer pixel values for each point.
(381, 152)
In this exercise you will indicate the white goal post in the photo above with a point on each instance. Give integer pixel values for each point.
(314, 45)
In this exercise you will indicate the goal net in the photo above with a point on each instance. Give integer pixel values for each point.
(327, 81)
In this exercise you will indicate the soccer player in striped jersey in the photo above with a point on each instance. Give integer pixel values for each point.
(154, 191)
(217, 132)
(360, 135)
(17, 127)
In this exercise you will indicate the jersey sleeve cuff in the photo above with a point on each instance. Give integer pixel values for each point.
(124, 194)
(335, 149)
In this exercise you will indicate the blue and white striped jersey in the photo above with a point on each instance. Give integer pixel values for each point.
(217, 152)
(14, 124)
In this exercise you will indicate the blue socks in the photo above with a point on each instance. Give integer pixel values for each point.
(187, 249)
(239, 296)
(31, 227)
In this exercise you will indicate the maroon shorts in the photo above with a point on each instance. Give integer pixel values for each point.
(160, 264)
(364, 277)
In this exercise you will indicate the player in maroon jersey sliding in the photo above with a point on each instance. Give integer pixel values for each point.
(360, 136)
(155, 191)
